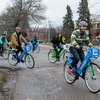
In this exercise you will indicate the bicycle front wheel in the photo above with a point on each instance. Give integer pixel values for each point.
(67, 53)
(70, 78)
(51, 58)
(12, 60)
(29, 60)
(92, 77)
(37, 50)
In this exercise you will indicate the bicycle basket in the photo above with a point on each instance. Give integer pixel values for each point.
(94, 52)
(64, 46)
(37, 43)
(28, 48)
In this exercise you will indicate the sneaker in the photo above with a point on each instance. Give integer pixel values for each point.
(22, 61)
(57, 59)
(70, 70)
(32, 51)
(14, 55)
(83, 75)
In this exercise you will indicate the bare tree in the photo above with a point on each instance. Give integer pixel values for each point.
(22, 13)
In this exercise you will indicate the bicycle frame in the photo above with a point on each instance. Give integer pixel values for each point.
(60, 53)
(26, 49)
(91, 53)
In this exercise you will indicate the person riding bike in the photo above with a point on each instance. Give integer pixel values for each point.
(34, 41)
(78, 39)
(56, 44)
(16, 41)
(3, 40)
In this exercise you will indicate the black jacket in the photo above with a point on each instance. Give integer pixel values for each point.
(57, 41)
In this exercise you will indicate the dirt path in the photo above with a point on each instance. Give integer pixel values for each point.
(7, 86)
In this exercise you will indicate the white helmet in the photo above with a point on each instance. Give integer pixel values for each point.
(83, 23)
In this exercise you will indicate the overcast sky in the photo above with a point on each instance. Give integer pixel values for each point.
(56, 9)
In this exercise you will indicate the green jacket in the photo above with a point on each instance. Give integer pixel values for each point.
(78, 38)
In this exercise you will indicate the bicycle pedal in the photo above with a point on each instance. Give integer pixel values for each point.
(76, 76)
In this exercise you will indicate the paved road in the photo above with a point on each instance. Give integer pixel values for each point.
(46, 82)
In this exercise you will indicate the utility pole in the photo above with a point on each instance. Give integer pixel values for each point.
(49, 31)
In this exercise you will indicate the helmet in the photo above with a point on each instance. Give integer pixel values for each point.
(17, 28)
(83, 23)
(4, 34)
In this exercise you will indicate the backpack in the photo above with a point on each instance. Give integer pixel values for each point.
(52, 40)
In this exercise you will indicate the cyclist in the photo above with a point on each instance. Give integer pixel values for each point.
(3, 40)
(56, 44)
(34, 41)
(78, 39)
(16, 41)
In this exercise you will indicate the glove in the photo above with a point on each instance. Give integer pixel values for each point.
(7, 44)
(26, 44)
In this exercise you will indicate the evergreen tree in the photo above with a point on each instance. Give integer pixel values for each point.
(84, 13)
(68, 22)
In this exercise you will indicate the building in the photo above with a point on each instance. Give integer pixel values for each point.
(40, 33)
(95, 20)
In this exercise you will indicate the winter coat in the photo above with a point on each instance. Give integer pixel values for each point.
(3, 42)
(14, 40)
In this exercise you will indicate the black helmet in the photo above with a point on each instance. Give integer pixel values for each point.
(83, 23)
(4, 34)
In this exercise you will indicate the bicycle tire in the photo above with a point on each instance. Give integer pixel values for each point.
(50, 58)
(13, 61)
(37, 50)
(92, 78)
(66, 53)
(5, 54)
(70, 79)
(29, 60)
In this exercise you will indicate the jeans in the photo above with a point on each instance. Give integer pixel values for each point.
(19, 49)
(34, 46)
(78, 54)
(56, 49)
(1, 48)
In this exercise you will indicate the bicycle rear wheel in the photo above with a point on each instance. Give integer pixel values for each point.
(51, 58)
(70, 78)
(37, 50)
(92, 77)
(29, 60)
(12, 60)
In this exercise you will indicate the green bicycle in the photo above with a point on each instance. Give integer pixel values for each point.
(52, 54)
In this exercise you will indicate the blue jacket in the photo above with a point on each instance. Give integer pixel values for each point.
(34, 40)
(3, 42)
